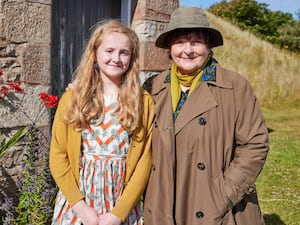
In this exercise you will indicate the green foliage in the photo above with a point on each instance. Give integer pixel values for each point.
(13, 140)
(36, 187)
(289, 37)
(277, 27)
(37, 190)
(7, 212)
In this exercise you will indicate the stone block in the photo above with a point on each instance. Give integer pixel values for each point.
(36, 62)
(46, 2)
(19, 109)
(27, 22)
(155, 10)
(145, 29)
(148, 30)
(153, 58)
(2, 34)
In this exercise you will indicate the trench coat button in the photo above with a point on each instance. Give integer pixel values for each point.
(250, 190)
(202, 121)
(200, 214)
(153, 168)
(201, 166)
(155, 124)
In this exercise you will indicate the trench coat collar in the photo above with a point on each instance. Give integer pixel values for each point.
(204, 103)
(213, 74)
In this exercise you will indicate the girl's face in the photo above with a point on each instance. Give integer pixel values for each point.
(113, 56)
(189, 52)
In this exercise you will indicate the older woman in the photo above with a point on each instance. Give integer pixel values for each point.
(210, 140)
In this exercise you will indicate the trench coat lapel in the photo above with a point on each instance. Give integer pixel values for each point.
(200, 101)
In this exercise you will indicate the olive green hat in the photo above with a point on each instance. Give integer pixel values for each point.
(189, 18)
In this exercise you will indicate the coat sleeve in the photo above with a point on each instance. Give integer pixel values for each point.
(60, 160)
(251, 143)
(139, 163)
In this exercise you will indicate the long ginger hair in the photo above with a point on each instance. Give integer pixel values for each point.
(87, 99)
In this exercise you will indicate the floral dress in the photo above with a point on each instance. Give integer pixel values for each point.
(102, 169)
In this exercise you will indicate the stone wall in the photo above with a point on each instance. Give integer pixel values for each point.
(25, 39)
(150, 19)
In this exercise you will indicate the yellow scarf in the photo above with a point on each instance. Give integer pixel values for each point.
(188, 80)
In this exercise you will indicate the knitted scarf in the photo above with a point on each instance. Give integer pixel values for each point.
(187, 80)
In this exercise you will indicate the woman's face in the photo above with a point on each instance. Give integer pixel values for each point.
(113, 56)
(189, 52)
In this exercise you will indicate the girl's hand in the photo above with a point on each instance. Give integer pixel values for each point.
(87, 214)
(71, 85)
(109, 219)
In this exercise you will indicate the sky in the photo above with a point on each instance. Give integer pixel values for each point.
(290, 6)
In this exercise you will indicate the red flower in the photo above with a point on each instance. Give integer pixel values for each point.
(49, 101)
(4, 90)
(15, 86)
(43, 96)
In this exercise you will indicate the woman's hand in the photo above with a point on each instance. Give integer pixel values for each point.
(109, 219)
(87, 214)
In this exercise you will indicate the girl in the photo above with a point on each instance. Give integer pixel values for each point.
(100, 155)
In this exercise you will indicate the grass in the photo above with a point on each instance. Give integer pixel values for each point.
(279, 183)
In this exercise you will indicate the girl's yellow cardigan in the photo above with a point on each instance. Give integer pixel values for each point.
(65, 155)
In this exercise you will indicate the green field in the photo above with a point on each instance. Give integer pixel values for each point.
(279, 183)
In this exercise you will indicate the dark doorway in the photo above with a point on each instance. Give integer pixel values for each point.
(71, 26)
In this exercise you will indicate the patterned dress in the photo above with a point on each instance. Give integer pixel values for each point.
(102, 169)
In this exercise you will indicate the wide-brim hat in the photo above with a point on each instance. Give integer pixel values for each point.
(189, 18)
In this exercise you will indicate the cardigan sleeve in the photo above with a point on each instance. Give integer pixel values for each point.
(62, 158)
(138, 163)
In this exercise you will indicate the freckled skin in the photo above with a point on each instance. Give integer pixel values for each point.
(113, 57)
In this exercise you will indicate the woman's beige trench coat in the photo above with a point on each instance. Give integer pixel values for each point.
(214, 152)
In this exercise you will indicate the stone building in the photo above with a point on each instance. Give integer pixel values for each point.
(40, 43)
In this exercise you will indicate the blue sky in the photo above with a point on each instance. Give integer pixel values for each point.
(291, 6)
